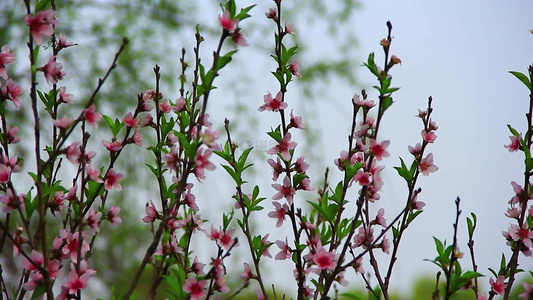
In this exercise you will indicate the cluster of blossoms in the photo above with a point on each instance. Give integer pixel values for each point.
(73, 244)
(231, 26)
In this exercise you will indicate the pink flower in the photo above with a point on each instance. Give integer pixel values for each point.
(41, 25)
(285, 252)
(283, 147)
(528, 291)
(36, 279)
(385, 245)
(365, 103)
(77, 280)
(514, 145)
(169, 248)
(93, 220)
(151, 213)
(91, 116)
(5, 173)
(513, 213)
(12, 202)
(214, 234)
(305, 185)
(112, 146)
(64, 97)
(70, 244)
(238, 38)
(6, 57)
(210, 137)
(416, 150)
(520, 194)
(63, 123)
(52, 71)
(279, 213)
(112, 215)
(189, 199)
(195, 288)
(499, 285)
(364, 237)
(11, 134)
(294, 68)
(202, 162)
(226, 22)
(521, 234)
(164, 107)
(378, 149)
(428, 137)
(63, 43)
(277, 168)
(181, 104)
(289, 28)
(12, 91)
(226, 240)
(197, 267)
(272, 13)
(300, 165)
(427, 166)
(137, 138)
(324, 260)
(284, 191)
(73, 152)
(246, 274)
(112, 180)
(220, 280)
(380, 219)
(358, 266)
(37, 258)
(273, 104)
(265, 242)
(11, 162)
(362, 177)
(415, 204)
(296, 122)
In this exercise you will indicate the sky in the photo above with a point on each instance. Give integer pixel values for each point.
(458, 52)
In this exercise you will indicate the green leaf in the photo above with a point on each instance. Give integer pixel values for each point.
(233, 175)
(337, 196)
(224, 60)
(513, 131)
(439, 245)
(242, 159)
(371, 65)
(471, 223)
(40, 290)
(413, 215)
(166, 126)
(114, 126)
(404, 172)
(522, 78)
(351, 170)
(326, 212)
(243, 14)
(387, 102)
(226, 219)
(471, 275)
(275, 134)
(42, 5)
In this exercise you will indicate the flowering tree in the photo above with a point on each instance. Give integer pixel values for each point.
(53, 223)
